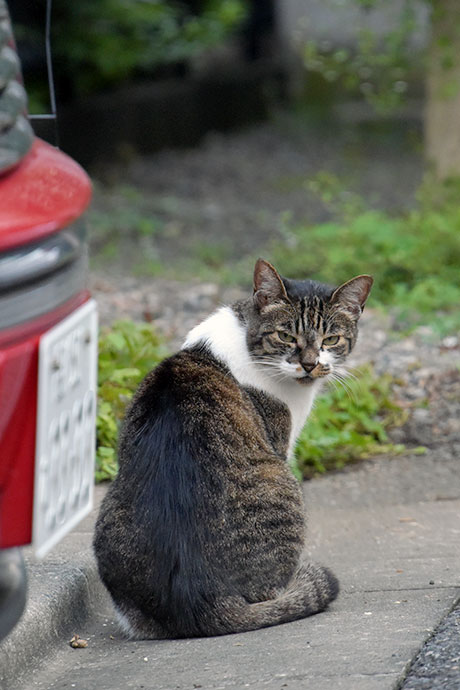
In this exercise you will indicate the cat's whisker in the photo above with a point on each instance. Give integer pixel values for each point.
(338, 379)
(266, 362)
(343, 376)
(345, 372)
(333, 383)
(349, 371)
(349, 375)
(277, 374)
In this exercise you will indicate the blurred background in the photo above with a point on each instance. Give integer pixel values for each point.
(335, 107)
(322, 135)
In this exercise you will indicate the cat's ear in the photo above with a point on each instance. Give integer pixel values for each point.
(353, 294)
(268, 286)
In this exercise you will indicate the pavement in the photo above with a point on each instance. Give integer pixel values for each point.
(389, 529)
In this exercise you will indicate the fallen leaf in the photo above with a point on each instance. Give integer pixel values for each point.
(78, 643)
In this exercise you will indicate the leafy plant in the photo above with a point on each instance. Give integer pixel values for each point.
(346, 425)
(349, 423)
(98, 45)
(414, 258)
(380, 65)
(108, 41)
(127, 352)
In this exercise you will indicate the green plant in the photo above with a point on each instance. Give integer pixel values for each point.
(211, 254)
(414, 258)
(127, 352)
(98, 45)
(106, 42)
(124, 220)
(349, 423)
(380, 65)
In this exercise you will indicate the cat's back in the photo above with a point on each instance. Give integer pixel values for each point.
(202, 483)
(192, 396)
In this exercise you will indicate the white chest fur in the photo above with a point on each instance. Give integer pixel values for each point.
(226, 338)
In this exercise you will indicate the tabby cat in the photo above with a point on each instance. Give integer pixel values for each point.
(202, 531)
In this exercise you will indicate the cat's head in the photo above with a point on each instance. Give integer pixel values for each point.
(303, 330)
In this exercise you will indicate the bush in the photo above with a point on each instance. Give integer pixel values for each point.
(99, 44)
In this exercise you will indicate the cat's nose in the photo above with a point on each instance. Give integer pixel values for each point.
(309, 366)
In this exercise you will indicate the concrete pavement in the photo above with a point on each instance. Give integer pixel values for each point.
(389, 529)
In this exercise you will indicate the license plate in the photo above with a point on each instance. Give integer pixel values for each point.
(66, 416)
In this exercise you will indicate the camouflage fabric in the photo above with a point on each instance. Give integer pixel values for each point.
(16, 134)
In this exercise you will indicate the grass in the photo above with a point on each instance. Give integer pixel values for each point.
(414, 257)
(347, 424)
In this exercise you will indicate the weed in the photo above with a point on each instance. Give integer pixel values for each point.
(127, 352)
(349, 423)
(346, 425)
(414, 258)
(212, 254)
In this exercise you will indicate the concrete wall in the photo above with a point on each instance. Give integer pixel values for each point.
(337, 21)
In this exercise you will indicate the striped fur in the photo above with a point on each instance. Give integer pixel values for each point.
(202, 531)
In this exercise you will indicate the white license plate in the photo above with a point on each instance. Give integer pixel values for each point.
(66, 415)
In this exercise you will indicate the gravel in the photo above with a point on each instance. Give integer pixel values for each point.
(232, 194)
(437, 666)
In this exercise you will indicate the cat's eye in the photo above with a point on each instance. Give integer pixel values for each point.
(331, 340)
(286, 337)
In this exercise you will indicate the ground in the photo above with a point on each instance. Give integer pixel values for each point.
(229, 198)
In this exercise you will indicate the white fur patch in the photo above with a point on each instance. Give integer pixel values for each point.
(123, 623)
(326, 357)
(225, 336)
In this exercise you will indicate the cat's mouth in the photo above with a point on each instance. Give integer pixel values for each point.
(318, 372)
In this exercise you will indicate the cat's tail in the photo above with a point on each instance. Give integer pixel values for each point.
(310, 591)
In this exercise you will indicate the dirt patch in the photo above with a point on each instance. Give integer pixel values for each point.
(231, 196)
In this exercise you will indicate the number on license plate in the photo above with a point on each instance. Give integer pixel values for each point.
(65, 443)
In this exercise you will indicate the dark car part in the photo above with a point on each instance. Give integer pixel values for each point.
(13, 589)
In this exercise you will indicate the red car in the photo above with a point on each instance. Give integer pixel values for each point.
(48, 341)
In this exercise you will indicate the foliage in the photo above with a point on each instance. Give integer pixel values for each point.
(100, 44)
(127, 352)
(107, 41)
(349, 423)
(379, 66)
(414, 258)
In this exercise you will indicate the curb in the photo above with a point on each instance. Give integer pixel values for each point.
(61, 597)
(64, 590)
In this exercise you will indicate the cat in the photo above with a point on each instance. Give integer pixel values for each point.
(202, 531)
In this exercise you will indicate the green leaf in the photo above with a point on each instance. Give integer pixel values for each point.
(127, 352)
(349, 425)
